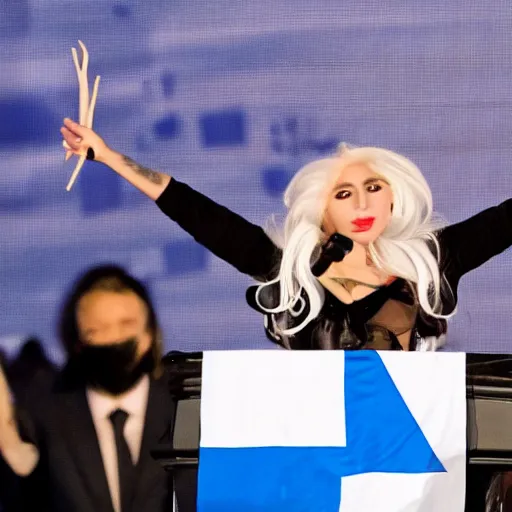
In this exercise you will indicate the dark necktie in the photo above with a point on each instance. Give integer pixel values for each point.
(126, 469)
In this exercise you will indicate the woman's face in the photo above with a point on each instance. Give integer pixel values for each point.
(359, 205)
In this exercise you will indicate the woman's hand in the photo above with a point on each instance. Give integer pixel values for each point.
(83, 141)
(80, 140)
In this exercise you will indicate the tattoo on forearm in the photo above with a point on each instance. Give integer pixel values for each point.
(147, 173)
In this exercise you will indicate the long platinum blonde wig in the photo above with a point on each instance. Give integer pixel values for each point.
(408, 247)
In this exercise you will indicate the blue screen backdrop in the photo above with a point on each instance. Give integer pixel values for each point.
(233, 96)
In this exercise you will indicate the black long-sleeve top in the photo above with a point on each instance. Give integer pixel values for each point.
(367, 323)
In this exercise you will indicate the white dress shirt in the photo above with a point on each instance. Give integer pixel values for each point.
(134, 402)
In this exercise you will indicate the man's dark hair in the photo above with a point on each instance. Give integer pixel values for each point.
(110, 278)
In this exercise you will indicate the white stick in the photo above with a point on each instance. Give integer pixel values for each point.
(82, 82)
(92, 106)
(76, 171)
(86, 107)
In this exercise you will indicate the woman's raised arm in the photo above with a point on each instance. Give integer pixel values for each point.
(81, 139)
(232, 238)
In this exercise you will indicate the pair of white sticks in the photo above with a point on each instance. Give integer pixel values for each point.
(86, 106)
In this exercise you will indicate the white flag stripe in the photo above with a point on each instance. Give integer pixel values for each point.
(388, 492)
(431, 385)
(263, 405)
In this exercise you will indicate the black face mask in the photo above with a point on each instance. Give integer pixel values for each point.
(113, 368)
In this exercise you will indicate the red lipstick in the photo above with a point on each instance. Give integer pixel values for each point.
(363, 224)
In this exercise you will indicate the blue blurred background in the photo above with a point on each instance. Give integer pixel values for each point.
(233, 96)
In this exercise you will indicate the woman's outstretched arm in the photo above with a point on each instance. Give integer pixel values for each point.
(470, 243)
(232, 238)
(80, 139)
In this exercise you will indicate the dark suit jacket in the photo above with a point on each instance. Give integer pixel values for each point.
(70, 476)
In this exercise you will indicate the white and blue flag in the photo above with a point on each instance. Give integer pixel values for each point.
(330, 431)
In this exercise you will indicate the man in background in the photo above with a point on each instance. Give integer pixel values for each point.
(30, 362)
(81, 441)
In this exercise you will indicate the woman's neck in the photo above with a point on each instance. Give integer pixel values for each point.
(357, 258)
(358, 266)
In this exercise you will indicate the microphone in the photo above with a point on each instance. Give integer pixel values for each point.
(335, 249)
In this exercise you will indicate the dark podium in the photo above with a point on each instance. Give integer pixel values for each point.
(489, 429)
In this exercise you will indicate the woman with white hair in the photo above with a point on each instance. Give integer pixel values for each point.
(361, 261)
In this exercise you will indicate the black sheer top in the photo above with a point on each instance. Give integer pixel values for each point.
(373, 322)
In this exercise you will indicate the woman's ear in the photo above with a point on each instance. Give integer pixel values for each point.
(327, 229)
